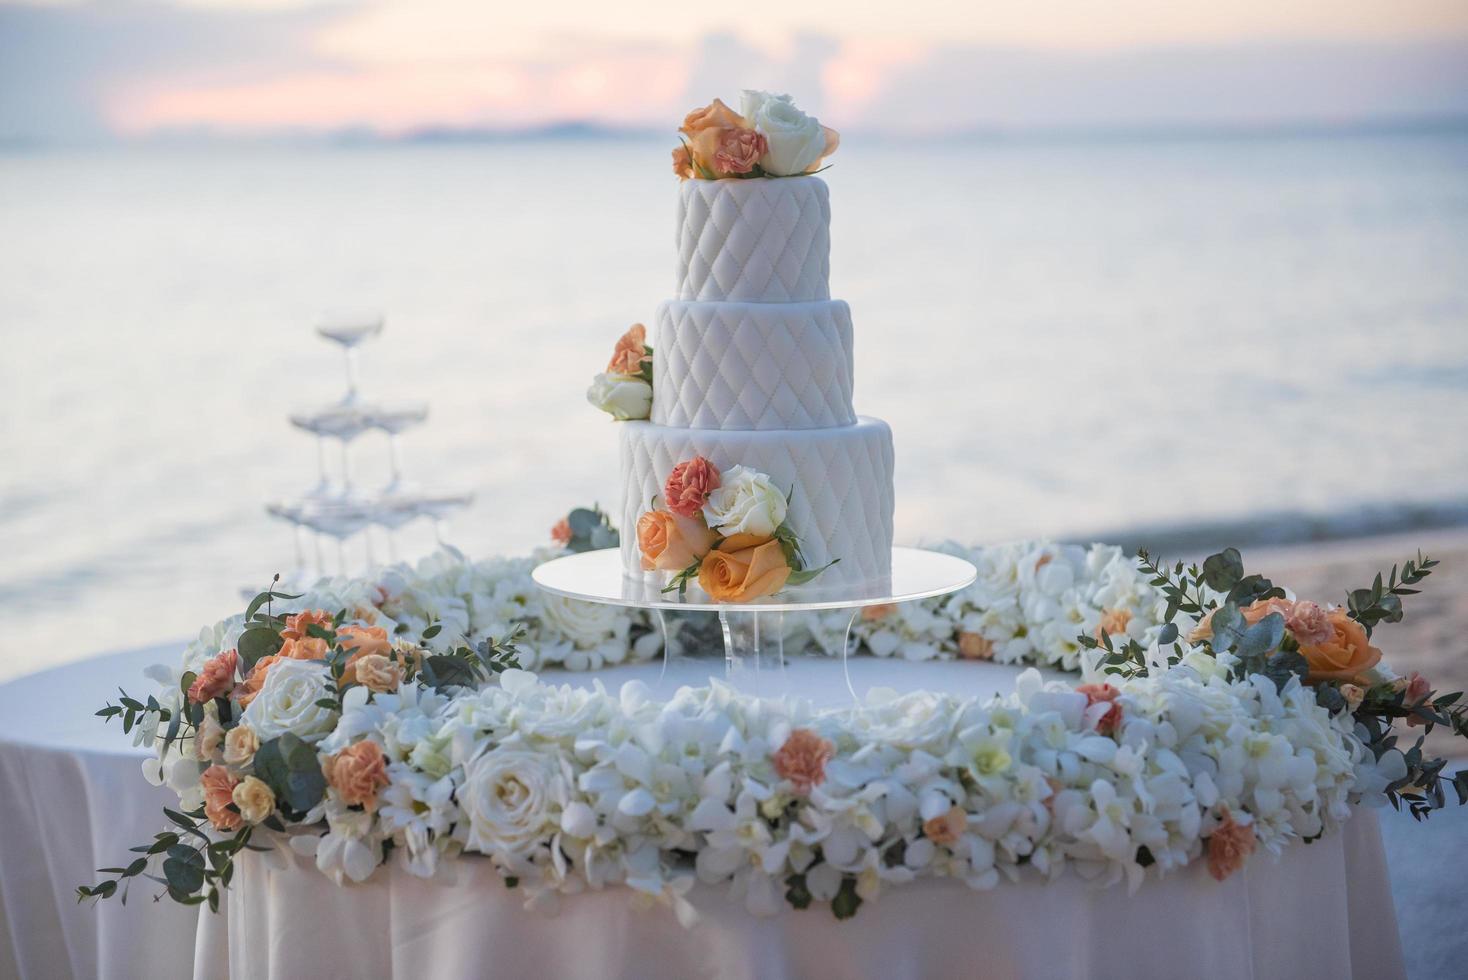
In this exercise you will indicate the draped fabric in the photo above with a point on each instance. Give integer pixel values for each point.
(72, 799)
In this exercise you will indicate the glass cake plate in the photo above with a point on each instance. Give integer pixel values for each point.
(752, 663)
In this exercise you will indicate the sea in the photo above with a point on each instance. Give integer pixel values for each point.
(1175, 339)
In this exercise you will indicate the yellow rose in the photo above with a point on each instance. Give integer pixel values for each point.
(1347, 653)
(744, 567)
(671, 543)
(255, 800)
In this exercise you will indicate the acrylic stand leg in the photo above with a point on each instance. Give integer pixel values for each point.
(846, 654)
(754, 651)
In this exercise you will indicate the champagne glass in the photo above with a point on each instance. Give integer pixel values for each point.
(350, 329)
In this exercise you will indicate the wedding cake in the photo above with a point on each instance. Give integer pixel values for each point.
(746, 470)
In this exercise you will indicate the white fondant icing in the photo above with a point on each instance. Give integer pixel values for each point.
(841, 478)
(752, 365)
(763, 240)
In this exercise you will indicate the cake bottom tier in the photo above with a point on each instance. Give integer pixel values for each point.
(840, 507)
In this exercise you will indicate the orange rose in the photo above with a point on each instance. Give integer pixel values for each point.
(357, 772)
(682, 162)
(359, 642)
(304, 648)
(219, 786)
(561, 532)
(630, 352)
(216, 678)
(671, 543)
(1345, 655)
(975, 646)
(802, 759)
(716, 115)
(296, 626)
(877, 613)
(744, 567)
(946, 828)
(1229, 846)
(246, 690)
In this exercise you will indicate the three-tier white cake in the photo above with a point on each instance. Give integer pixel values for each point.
(752, 367)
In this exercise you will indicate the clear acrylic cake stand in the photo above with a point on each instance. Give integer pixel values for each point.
(751, 662)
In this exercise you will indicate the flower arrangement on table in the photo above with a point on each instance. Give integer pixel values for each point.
(768, 137)
(364, 722)
(729, 532)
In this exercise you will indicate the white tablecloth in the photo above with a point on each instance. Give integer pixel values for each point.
(72, 799)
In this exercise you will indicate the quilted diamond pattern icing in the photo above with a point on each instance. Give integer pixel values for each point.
(752, 365)
(763, 240)
(841, 508)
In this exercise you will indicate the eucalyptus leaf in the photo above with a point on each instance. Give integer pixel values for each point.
(1223, 571)
(288, 765)
(257, 642)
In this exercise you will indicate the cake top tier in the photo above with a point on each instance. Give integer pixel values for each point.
(763, 240)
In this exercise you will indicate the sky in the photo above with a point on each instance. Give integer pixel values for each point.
(104, 69)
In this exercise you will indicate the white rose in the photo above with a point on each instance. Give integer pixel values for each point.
(751, 101)
(513, 800)
(287, 702)
(585, 624)
(746, 502)
(621, 396)
(796, 141)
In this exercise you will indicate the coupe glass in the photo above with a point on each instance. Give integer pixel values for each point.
(350, 328)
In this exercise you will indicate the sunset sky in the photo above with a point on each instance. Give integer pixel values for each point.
(83, 70)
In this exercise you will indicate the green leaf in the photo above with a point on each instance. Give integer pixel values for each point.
(802, 577)
(183, 869)
(433, 631)
(257, 642)
(1263, 637)
(449, 671)
(847, 901)
(797, 893)
(1223, 571)
(290, 768)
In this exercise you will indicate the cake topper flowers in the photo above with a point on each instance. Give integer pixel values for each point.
(624, 389)
(768, 137)
(727, 531)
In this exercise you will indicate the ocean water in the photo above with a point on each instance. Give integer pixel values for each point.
(1263, 335)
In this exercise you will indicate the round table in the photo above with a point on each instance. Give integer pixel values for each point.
(72, 799)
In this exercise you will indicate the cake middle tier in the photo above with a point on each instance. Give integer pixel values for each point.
(730, 366)
(839, 481)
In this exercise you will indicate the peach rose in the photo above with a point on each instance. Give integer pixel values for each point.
(738, 151)
(240, 745)
(216, 677)
(689, 485)
(1354, 695)
(1229, 846)
(357, 772)
(1110, 722)
(304, 648)
(246, 690)
(379, 674)
(974, 646)
(1345, 655)
(802, 759)
(208, 737)
(715, 115)
(833, 141)
(561, 532)
(682, 162)
(297, 625)
(671, 543)
(359, 642)
(744, 567)
(879, 612)
(1113, 622)
(218, 796)
(255, 800)
(947, 828)
(1415, 692)
(630, 353)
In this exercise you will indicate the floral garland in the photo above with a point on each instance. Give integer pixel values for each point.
(1216, 715)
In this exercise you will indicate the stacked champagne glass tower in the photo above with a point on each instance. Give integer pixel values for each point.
(338, 508)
